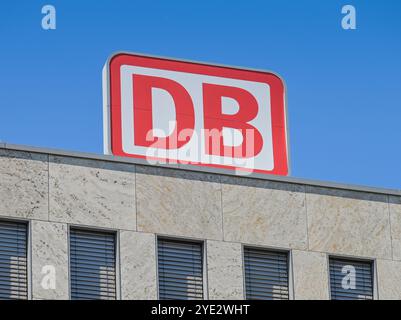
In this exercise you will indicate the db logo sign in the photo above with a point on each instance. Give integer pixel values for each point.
(172, 111)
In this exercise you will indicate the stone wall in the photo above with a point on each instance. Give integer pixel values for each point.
(141, 202)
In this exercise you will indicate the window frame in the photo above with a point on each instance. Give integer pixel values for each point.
(270, 249)
(201, 242)
(350, 258)
(116, 234)
(28, 226)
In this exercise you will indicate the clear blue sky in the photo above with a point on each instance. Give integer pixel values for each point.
(343, 86)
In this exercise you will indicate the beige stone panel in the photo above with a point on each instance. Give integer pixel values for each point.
(180, 203)
(90, 192)
(264, 213)
(389, 279)
(348, 222)
(49, 260)
(138, 266)
(23, 184)
(225, 272)
(310, 275)
(395, 219)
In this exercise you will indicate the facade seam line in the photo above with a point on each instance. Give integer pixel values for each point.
(391, 232)
(307, 220)
(48, 187)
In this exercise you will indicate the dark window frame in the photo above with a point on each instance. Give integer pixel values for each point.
(26, 225)
(99, 231)
(183, 241)
(271, 251)
(350, 260)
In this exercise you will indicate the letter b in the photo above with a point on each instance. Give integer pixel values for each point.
(215, 121)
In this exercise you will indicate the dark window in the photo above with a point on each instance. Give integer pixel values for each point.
(180, 270)
(13, 260)
(266, 274)
(351, 279)
(93, 265)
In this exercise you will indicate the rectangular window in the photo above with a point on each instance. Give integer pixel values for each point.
(92, 265)
(266, 274)
(351, 279)
(180, 268)
(13, 260)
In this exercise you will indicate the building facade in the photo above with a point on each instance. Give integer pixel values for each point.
(76, 226)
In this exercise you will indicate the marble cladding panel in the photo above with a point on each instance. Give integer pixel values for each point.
(90, 192)
(351, 223)
(178, 203)
(23, 184)
(389, 279)
(395, 220)
(310, 275)
(138, 265)
(225, 271)
(50, 266)
(264, 213)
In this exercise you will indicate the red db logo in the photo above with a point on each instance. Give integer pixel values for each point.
(172, 111)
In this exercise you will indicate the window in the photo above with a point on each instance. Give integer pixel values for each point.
(13, 260)
(180, 270)
(351, 279)
(92, 265)
(266, 274)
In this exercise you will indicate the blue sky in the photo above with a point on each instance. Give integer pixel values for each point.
(343, 86)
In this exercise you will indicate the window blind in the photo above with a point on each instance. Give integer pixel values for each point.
(180, 268)
(13, 260)
(92, 265)
(266, 274)
(350, 279)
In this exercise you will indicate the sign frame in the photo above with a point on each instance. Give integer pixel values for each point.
(224, 169)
